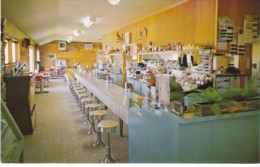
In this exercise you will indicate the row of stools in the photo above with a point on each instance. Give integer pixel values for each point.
(96, 114)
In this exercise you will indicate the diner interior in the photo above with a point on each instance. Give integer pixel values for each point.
(130, 81)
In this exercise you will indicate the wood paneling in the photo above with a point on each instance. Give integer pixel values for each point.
(193, 22)
(13, 32)
(75, 53)
(237, 9)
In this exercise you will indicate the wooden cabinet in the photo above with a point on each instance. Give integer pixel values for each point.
(18, 100)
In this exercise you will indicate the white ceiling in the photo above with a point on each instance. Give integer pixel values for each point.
(48, 20)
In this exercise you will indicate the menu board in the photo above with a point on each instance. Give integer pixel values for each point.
(250, 28)
(225, 29)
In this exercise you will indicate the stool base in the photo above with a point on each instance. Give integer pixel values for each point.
(98, 142)
(108, 159)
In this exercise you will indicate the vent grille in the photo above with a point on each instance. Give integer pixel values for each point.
(88, 46)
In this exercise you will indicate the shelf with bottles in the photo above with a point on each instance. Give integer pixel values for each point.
(205, 65)
(191, 80)
(157, 59)
(132, 50)
(169, 52)
(117, 64)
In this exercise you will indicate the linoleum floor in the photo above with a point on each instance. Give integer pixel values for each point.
(60, 135)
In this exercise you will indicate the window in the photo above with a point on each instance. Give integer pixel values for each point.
(14, 51)
(38, 56)
(31, 59)
(6, 53)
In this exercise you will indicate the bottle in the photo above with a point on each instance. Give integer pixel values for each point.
(169, 47)
(150, 46)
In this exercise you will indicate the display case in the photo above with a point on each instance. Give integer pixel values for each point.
(223, 81)
(11, 138)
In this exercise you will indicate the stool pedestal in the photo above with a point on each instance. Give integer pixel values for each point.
(91, 107)
(108, 127)
(108, 158)
(98, 115)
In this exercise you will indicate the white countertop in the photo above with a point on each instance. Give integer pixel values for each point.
(113, 96)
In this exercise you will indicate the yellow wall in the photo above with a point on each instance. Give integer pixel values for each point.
(75, 53)
(13, 32)
(193, 21)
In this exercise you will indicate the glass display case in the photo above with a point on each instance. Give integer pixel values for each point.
(11, 138)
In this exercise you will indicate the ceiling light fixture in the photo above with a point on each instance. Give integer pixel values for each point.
(89, 21)
(69, 39)
(76, 33)
(114, 2)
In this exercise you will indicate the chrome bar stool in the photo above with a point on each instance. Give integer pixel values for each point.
(80, 96)
(78, 92)
(97, 115)
(85, 101)
(108, 127)
(91, 107)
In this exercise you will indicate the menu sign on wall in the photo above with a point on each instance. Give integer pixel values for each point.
(250, 28)
(225, 29)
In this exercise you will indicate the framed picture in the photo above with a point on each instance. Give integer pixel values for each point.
(62, 45)
(51, 56)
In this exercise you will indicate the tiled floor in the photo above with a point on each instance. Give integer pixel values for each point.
(60, 135)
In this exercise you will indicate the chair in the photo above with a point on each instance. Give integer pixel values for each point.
(39, 84)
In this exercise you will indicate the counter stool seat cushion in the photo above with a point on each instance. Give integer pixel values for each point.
(78, 88)
(108, 126)
(93, 105)
(75, 85)
(80, 91)
(98, 113)
(82, 95)
(88, 99)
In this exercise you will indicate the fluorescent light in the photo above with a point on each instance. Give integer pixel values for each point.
(114, 2)
(76, 33)
(69, 39)
(89, 21)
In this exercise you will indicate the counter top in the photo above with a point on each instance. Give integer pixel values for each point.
(187, 118)
(113, 96)
(121, 98)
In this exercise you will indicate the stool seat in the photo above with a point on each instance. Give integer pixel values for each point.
(108, 126)
(88, 99)
(75, 86)
(82, 95)
(93, 105)
(78, 88)
(99, 113)
(80, 91)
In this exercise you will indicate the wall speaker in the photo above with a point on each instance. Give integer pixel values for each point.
(26, 42)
